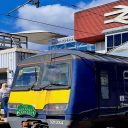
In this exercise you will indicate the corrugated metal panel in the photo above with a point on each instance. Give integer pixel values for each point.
(8, 60)
(89, 24)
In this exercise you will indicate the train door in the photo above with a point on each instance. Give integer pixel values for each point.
(107, 89)
(123, 91)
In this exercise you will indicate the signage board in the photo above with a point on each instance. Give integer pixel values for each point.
(26, 110)
(120, 15)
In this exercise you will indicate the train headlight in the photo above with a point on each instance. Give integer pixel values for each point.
(13, 106)
(58, 109)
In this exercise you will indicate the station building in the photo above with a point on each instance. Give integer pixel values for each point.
(106, 26)
(69, 43)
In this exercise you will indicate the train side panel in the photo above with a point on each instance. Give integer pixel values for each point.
(83, 97)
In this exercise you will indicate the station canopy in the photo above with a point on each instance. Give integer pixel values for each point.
(40, 37)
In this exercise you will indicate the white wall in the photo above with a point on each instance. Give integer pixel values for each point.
(8, 60)
(100, 47)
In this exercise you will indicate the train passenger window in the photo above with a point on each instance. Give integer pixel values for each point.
(104, 84)
(125, 75)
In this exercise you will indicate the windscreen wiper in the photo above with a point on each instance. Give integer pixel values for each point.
(49, 85)
(33, 85)
(58, 84)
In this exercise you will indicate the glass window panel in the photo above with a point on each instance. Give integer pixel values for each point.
(93, 47)
(68, 45)
(27, 76)
(3, 77)
(124, 37)
(56, 74)
(82, 48)
(117, 39)
(105, 92)
(110, 41)
(125, 76)
(61, 46)
(104, 85)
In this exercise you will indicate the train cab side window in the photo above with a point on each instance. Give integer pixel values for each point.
(104, 84)
(125, 77)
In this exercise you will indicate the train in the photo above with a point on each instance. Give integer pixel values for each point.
(69, 89)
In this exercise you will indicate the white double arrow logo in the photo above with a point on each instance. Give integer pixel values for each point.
(121, 18)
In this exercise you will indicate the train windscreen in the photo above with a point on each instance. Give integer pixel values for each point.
(27, 76)
(56, 74)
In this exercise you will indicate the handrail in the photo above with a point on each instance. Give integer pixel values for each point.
(11, 40)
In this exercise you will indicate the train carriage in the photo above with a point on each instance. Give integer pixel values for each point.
(69, 89)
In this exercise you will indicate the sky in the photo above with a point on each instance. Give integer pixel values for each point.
(55, 12)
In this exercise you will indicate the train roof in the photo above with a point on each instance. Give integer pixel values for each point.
(88, 55)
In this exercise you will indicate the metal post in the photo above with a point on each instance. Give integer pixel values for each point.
(26, 42)
(11, 41)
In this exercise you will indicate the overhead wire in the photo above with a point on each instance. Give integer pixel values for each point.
(57, 26)
(15, 9)
(52, 25)
(30, 20)
(22, 5)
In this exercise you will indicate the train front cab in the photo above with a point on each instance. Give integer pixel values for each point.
(88, 91)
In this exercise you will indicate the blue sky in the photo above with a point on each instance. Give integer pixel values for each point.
(55, 12)
(47, 13)
(9, 24)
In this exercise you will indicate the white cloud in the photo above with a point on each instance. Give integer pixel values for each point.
(81, 5)
(52, 14)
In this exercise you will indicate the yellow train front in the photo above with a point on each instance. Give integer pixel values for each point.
(69, 89)
(41, 91)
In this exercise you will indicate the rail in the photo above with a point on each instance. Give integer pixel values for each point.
(8, 40)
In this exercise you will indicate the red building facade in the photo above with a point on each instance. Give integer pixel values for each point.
(90, 24)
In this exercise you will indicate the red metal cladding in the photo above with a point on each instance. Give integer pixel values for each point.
(89, 24)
